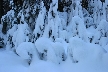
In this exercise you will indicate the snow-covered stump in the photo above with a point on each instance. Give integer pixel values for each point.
(27, 51)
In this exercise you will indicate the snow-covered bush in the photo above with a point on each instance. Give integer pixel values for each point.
(27, 51)
(10, 43)
(20, 35)
(50, 51)
(52, 27)
(78, 50)
(101, 37)
(7, 21)
(8, 28)
(43, 45)
(51, 56)
(103, 28)
(76, 27)
(59, 51)
(63, 34)
(20, 32)
(40, 22)
(64, 44)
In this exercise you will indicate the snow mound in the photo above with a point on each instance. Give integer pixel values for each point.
(43, 66)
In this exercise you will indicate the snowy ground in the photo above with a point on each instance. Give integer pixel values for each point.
(10, 62)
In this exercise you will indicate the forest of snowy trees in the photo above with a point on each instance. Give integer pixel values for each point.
(55, 30)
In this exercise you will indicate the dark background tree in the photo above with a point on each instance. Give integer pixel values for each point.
(5, 7)
(1, 9)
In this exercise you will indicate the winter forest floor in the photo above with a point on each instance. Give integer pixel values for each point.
(10, 62)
